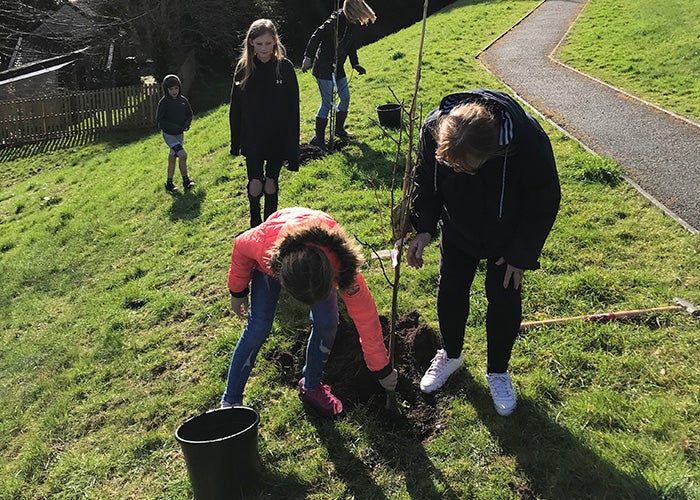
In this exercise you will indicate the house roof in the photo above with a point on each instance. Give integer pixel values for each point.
(39, 67)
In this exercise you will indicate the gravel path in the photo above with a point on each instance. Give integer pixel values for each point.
(658, 151)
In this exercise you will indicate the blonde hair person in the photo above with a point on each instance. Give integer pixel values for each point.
(470, 131)
(264, 115)
(486, 175)
(357, 11)
(329, 46)
(246, 61)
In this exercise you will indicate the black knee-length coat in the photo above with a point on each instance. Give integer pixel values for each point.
(264, 116)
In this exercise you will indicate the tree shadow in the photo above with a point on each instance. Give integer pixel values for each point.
(539, 443)
(187, 205)
(271, 486)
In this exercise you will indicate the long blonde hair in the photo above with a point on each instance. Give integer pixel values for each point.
(357, 11)
(246, 65)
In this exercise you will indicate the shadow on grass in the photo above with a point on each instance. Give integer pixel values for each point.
(187, 204)
(374, 163)
(555, 462)
(28, 150)
(396, 450)
(276, 487)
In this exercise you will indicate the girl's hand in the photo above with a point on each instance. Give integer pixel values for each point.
(511, 272)
(414, 255)
(389, 382)
(306, 64)
(240, 306)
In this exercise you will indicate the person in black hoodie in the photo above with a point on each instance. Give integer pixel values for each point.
(264, 115)
(174, 116)
(328, 48)
(486, 173)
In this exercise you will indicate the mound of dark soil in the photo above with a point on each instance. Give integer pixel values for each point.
(415, 345)
(308, 153)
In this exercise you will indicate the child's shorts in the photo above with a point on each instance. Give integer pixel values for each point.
(175, 142)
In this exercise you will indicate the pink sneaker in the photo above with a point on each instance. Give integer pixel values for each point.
(321, 399)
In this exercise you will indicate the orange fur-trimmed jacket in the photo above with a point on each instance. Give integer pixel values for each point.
(250, 252)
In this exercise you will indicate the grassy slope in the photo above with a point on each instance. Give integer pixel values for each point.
(115, 325)
(646, 47)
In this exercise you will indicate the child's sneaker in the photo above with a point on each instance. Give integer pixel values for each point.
(441, 367)
(321, 399)
(502, 392)
(226, 404)
(170, 187)
(187, 183)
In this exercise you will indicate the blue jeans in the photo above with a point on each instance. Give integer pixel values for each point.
(325, 87)
(264, 294)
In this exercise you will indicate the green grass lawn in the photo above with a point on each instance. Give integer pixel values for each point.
(115, 323)
(646, 47)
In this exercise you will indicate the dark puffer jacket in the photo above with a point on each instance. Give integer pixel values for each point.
(174, 115)
(264, 116)
(321, 46)
(508, 208)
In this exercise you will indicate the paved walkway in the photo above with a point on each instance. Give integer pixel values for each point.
(659, 151)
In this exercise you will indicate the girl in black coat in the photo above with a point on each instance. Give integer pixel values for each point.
(486, 174)
(328, 48)
(264, 115)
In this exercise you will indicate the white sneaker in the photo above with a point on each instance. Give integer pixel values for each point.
(441, 367)
(502, 392)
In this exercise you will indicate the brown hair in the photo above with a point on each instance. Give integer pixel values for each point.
(245, 66)
(357, 11)
(303, 268)
(467, 131)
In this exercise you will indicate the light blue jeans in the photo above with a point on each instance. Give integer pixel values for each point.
(325, 87)
(264, 294)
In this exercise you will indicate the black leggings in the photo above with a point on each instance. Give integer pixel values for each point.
(503, 313)
(257, 169)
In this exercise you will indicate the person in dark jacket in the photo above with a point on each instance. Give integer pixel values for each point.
(174, 116)
(264, 115)
(328, 48)
(486, 173)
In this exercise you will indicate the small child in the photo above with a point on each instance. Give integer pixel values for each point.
(174, 116)
(307, 253)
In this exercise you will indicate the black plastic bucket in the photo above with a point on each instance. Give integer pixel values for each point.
(221, 452)
(389, 115)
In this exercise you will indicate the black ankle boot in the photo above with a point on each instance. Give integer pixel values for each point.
(254, 202)
(271, 203)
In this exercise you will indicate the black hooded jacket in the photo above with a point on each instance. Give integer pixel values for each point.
(174, 115)
(508, 207)
(321, 46)
(264, 116)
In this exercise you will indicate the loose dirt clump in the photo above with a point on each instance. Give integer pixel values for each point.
(308, 153)
(352, 382)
